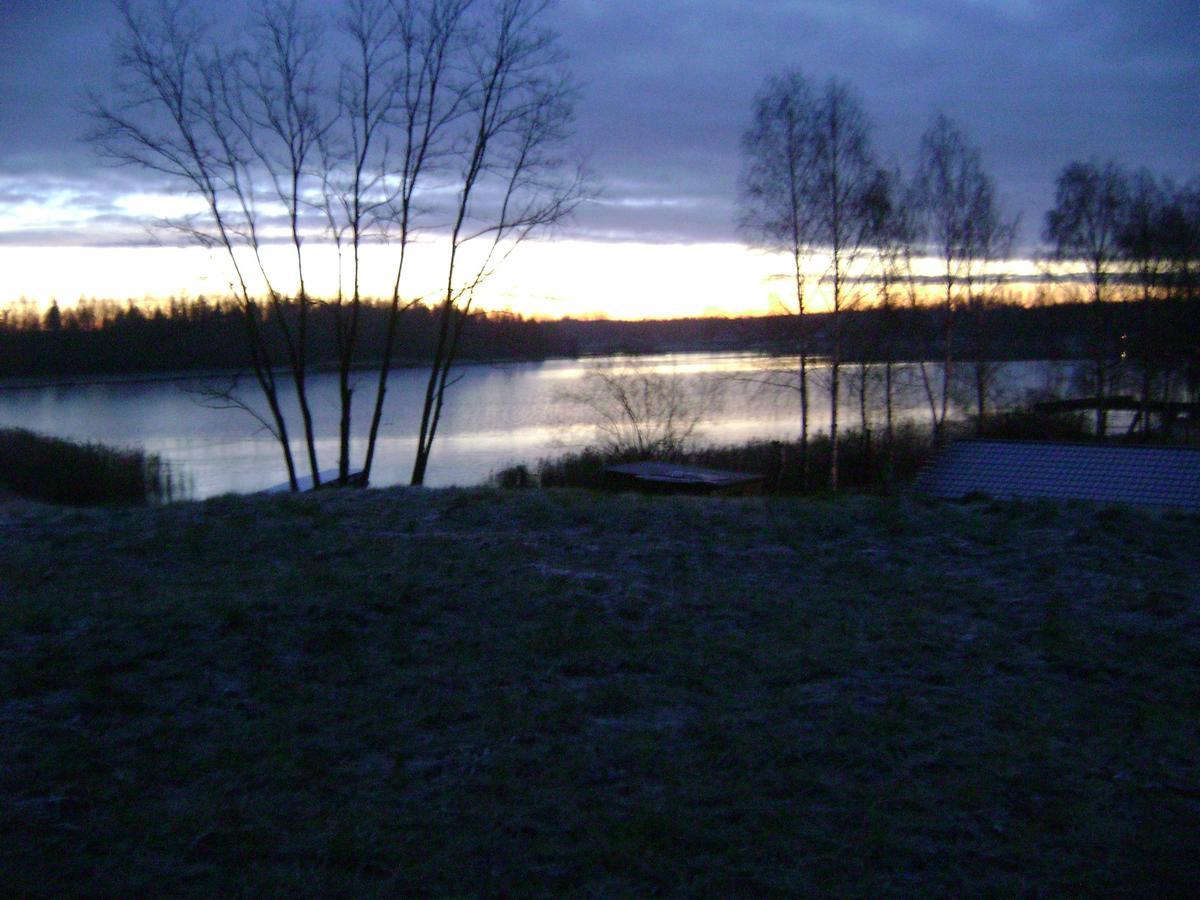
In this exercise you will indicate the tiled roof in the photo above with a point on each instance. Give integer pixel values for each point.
(1167, 477)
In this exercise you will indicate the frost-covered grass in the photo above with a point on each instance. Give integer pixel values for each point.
(487, 692)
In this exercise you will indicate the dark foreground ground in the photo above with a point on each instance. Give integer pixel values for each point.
(475, 692)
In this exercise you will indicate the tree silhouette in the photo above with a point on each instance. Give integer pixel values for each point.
(809, 172)
(403, 101)
(1091, 209)
(961, 225)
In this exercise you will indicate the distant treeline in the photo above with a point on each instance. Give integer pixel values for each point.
(110, 338)
(1004, 331)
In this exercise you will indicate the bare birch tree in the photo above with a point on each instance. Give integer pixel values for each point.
(427, 102)
(953, 192)
(275, 107)
(844, 175)
(169, 113)
(991, 241)
(512, 178)
(809, 172)
(1085, 225)
(1145, 259)
(406, 102)
(1160, 245)
(777, 168)
(891, 210)
(355, 193)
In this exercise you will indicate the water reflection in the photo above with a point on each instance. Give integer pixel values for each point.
(496, 415)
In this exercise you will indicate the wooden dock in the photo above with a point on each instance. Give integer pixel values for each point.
(672, 478)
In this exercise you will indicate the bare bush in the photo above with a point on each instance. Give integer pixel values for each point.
(647, 413)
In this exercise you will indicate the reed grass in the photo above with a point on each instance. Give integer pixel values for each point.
(80, 474)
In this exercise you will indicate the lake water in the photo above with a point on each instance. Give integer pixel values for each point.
(495, 416)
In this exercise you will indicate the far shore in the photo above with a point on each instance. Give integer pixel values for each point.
(36, 382)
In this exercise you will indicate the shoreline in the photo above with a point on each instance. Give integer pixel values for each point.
(38, 382)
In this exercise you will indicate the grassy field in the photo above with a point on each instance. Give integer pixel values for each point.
(481, 693)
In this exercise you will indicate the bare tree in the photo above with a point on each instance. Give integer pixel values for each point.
(170, 114)
(355, 193)
(1179, 342)
(466, 98)
(512, 178)
(1090, 207)
(991, 243)
(876, 332)
(894, 232)
(844, 177)
(427, 101)
(275, 106)
(397, 97)
(956, 200)
(809, 173)
(1160, 246)
(777, 169)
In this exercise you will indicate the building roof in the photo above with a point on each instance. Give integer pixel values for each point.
(1163, 477)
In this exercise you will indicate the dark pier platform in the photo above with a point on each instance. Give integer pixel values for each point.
(671, 478)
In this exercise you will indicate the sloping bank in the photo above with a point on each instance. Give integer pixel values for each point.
(484, 692)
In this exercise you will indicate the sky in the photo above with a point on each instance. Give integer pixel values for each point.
(666, 91)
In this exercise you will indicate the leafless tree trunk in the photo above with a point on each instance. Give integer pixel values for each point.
(990, 243)
(428, 102)
(276, 107)
(808, 168)
(953, 191)
(515, 119)
(1085, 226)
(778, 162)
(845, 175)
(978, 307)
(864, 390)
(891, 212)
(170, 115)
(397, 97)
(356, 194)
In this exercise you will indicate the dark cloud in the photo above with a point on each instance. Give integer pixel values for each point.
(1035, 84)
(667, 88)
(51, 52)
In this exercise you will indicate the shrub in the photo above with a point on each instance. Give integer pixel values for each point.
(644, 412)
(518, 476)
(62, 471)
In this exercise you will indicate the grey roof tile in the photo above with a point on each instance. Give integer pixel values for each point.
(1167, 477)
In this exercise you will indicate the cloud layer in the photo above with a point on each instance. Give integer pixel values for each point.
(667, 88)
